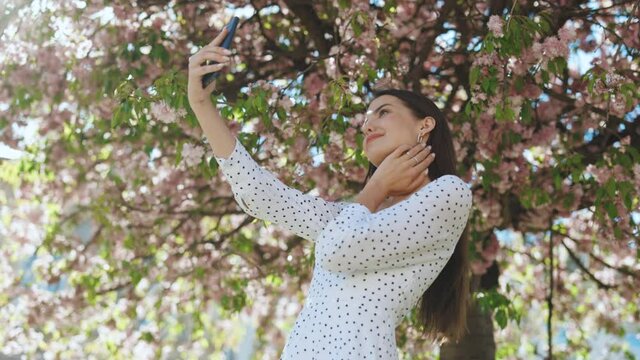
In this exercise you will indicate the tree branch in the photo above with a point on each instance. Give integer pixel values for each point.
(584, 269)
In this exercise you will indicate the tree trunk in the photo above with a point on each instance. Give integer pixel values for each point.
(478, 343)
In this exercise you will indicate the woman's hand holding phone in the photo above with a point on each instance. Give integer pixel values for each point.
(198, 68)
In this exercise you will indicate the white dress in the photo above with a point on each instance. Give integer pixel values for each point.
(370, 268)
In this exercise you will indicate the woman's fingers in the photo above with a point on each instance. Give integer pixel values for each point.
(403, 149)
(216, 49)
(204, 54)
(200, 57)
(427, 161)
(205, 69)
(416, 151)
(427, 156)
(218, 39)
(418, 148)
(424, 156)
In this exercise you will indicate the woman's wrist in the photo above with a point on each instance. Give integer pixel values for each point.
(202, 107)
(215, 128)
(372, 196)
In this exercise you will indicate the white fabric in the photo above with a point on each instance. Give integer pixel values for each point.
(370, 269)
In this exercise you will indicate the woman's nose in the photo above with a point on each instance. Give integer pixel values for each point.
(365, 126)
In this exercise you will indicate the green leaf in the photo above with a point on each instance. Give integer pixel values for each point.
(274, 280)
(355, 24)
(282, 114)
(179, 153)
(610, 186)
(545, 76)
(611, 210)
(473, 75)
(242, 244)
(551, 66)
(136, 276)
(129, 242)
(627, 200)
(624, 160)
(519, 83)
(488, 43)
(501, 317)
(561, 64)
(199, 272)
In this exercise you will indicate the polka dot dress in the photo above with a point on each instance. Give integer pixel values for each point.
(370, 268)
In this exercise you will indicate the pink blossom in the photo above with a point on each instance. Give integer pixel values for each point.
(636, 174)
(618, 106)
(405, 11)
(545, 136)
(458, 59)
(491, 249)
(495, 25)
(356, 173)
(192, 154)
(601, 174)
(485, 59)
(518, 66)
(158, 22)
(313, 83)
(626, 140)
(613, 80)
(536, 49)
(567, 34)
(479, 267)
(164, 113)
(300, 148)
(350, 137)
(554, 47)
(477, 97)
(286, 103)
(549, 111)
(466, 131)
(357, 120)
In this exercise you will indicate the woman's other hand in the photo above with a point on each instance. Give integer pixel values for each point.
(399, 174)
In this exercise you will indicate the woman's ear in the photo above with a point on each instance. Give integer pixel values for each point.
(429, 123)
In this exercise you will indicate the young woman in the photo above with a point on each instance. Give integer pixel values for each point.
(401, 241)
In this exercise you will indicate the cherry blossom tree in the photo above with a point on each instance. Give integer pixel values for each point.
(120, 238)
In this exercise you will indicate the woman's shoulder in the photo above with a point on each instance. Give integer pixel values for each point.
(447, 180)
(451, 178)
(448, 183)
(456, 185)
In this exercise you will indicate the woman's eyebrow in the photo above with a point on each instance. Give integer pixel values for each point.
(378, 109)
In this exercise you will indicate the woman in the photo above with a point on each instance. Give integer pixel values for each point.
(400, 241)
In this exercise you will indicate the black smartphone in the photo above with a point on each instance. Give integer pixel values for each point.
(226, 43)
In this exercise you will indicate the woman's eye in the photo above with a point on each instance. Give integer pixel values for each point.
(382, 111)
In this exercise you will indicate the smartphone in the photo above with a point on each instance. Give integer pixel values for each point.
(226, 43)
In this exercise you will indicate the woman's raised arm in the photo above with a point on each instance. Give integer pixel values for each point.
(258, 191)
(262, 195)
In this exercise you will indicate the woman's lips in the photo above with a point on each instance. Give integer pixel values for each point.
(373, 138)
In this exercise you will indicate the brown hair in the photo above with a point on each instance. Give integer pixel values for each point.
(443, 306)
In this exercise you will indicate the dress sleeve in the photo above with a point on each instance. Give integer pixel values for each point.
(423, 228)
(262, 195)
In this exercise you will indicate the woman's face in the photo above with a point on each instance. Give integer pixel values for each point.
(388, 117)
